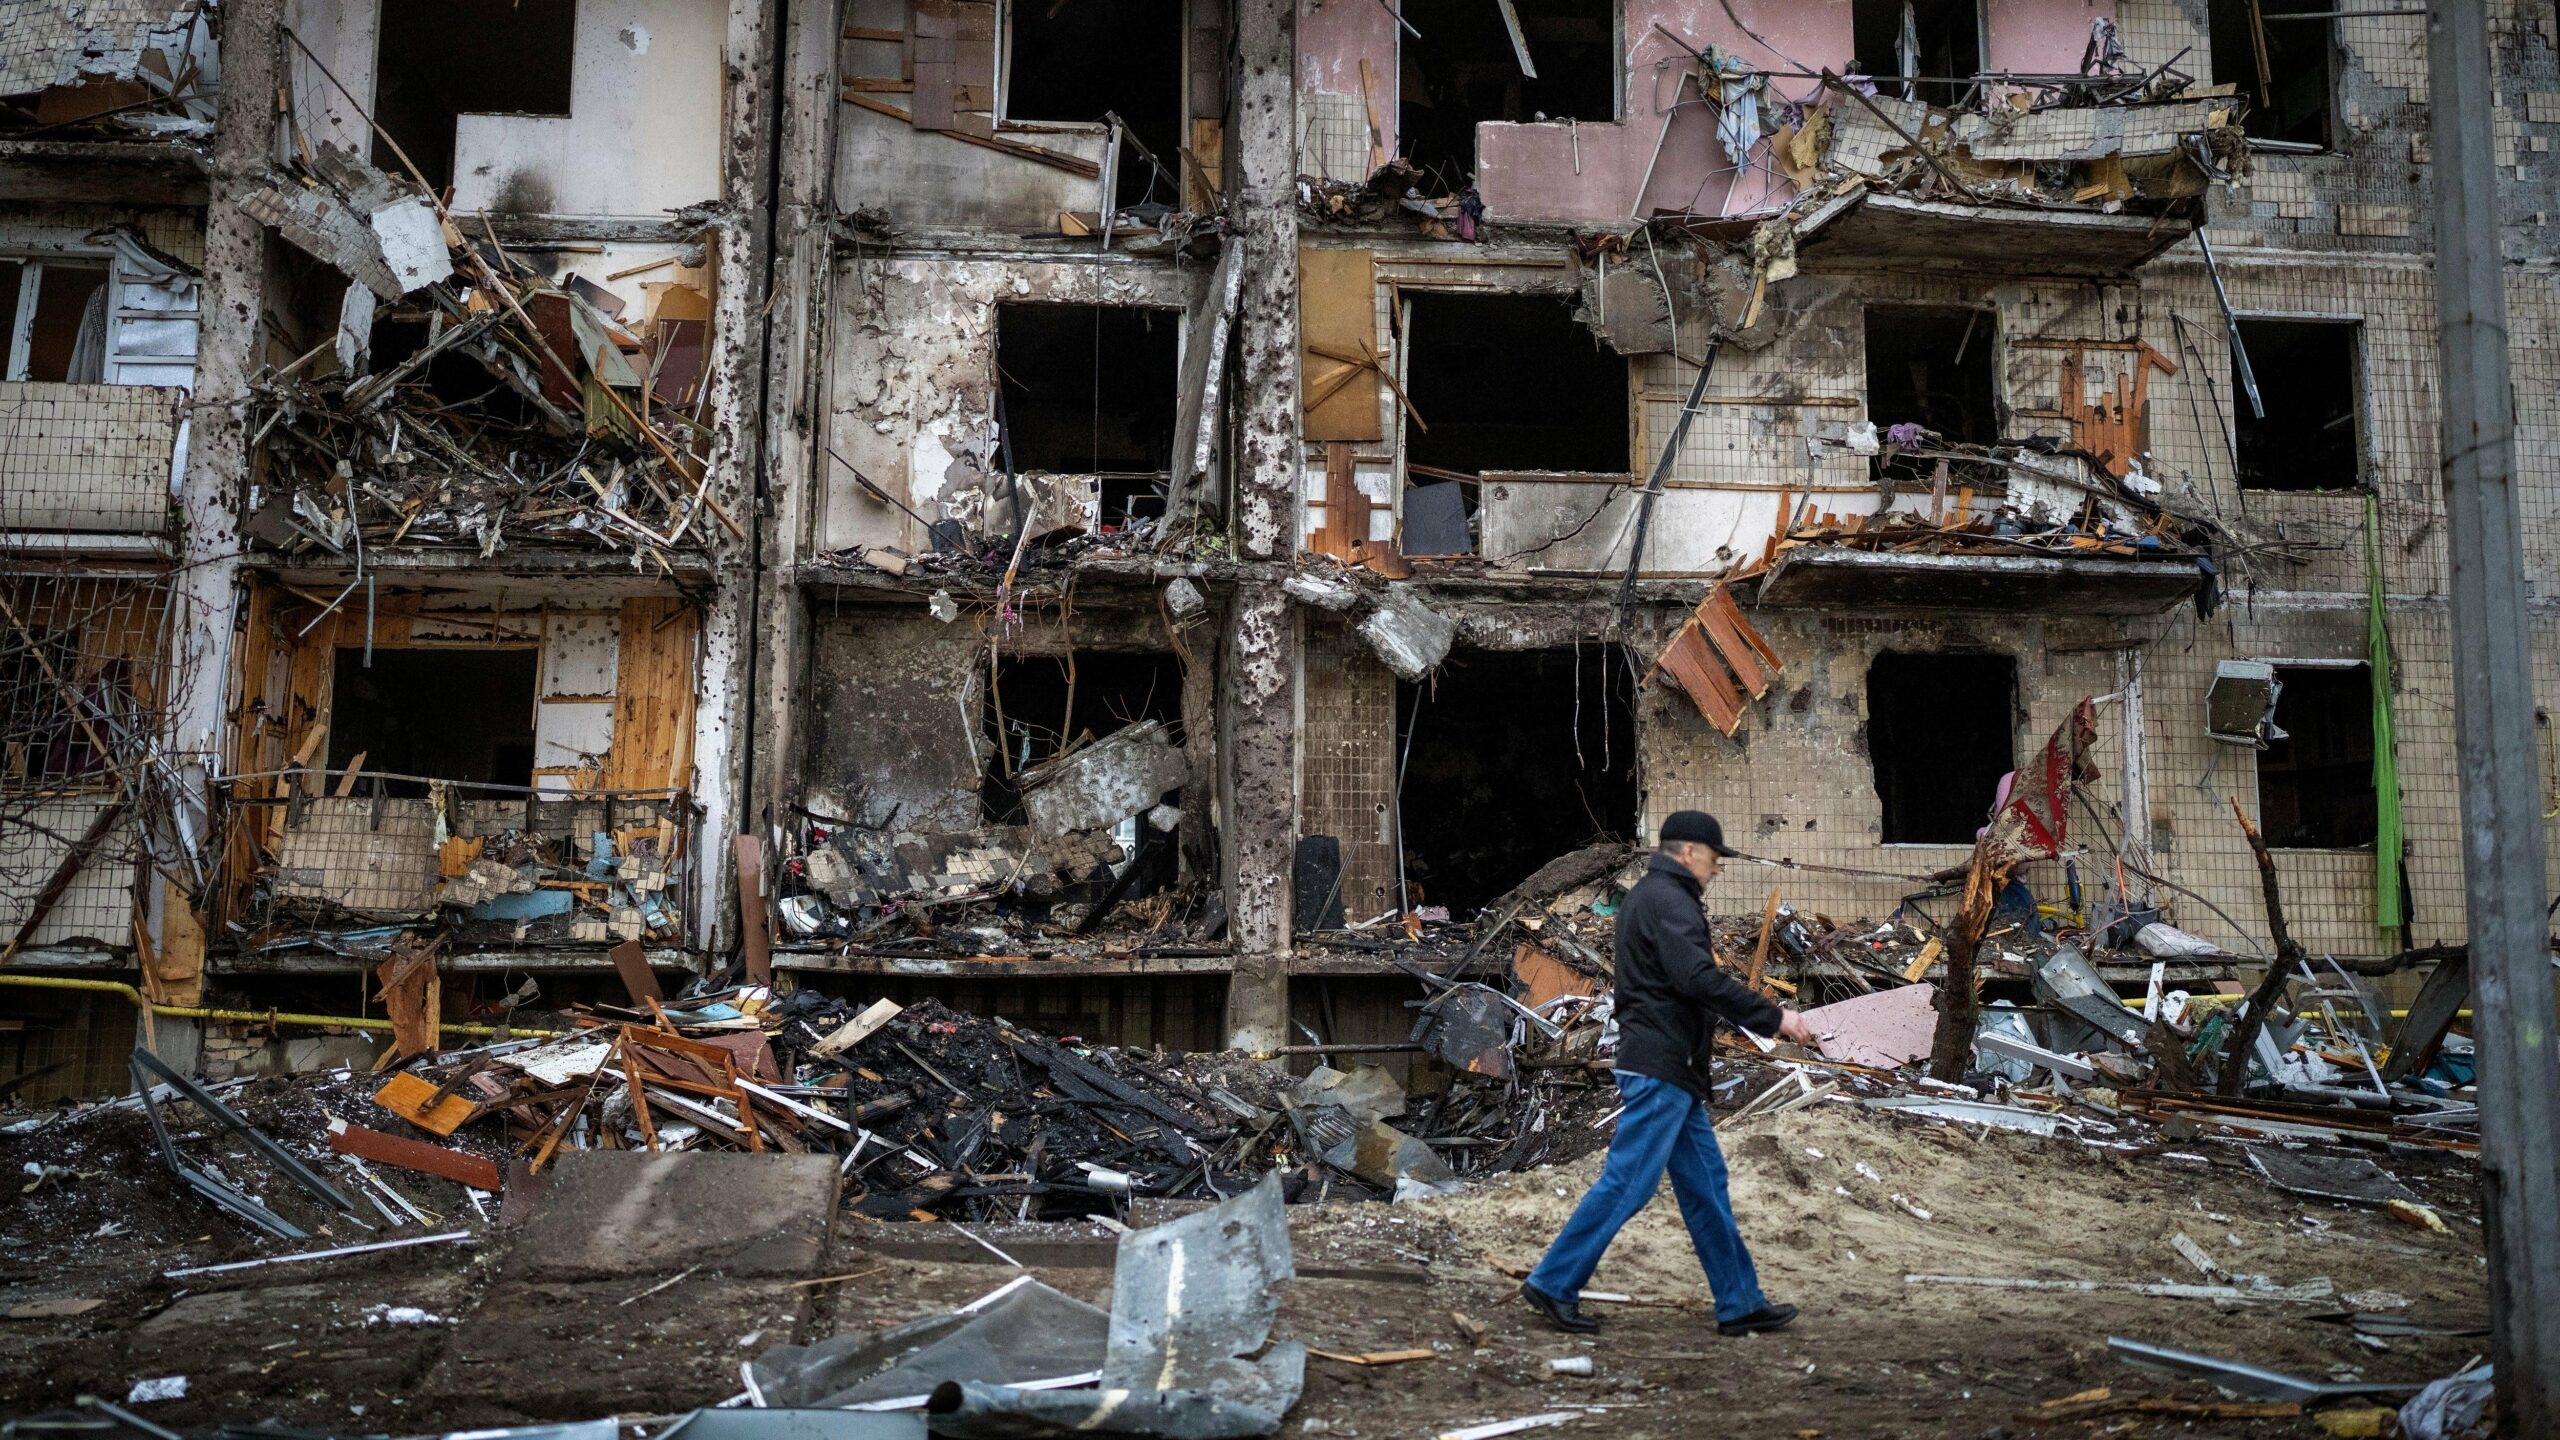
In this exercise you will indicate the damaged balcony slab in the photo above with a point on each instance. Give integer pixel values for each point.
(75, 172)
(1816, 578)
(564, 960)
(1150, 965)
(1902, 232)
(71, 957)
(598, 572)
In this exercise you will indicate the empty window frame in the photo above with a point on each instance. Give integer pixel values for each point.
(447, 714)
(1086, 61)
(1927, 50)
(1940, 732)
(1091, 390)
(1038, 704)
(439, 59)
(1465, 66)
(1512, 757)
(2309, 375)
(1503, 382)
(2278, 53)
(54, 319)
(1931, 366)
(2315, 783)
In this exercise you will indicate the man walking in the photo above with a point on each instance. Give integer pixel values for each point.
(1670, 995)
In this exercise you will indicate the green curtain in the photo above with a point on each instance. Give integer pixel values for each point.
(2390, 907)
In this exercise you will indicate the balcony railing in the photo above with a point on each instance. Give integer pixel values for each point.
(496, 865)
(92, 459)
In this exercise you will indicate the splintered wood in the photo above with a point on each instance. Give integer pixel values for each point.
(1717, 659)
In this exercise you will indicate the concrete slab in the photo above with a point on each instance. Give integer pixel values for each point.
(607, 1214)
(1887, 1029)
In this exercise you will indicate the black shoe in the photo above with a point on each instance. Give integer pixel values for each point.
(1562, 1314)
(1767, 1317)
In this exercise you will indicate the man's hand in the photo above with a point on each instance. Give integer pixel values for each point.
(1792, 1026)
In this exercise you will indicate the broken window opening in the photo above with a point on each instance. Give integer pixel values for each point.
(450, 714)
(1464, 67)
(53, 320)
(2311, 437)
(1511, 758)
(1079, 61)
(2315, 778)
(1938, 41)
(1039, 703)
(1502, 382)
(1940, 731)
(2289, 83)
(1931, 366)
(438, 60)
(43, 742)
(1091, 390)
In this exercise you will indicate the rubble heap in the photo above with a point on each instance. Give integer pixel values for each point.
(467, 399)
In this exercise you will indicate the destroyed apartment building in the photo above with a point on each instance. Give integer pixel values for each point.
(1189, 524)
(1074, 619)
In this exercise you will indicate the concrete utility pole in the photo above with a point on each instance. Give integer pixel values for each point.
(2493, 736)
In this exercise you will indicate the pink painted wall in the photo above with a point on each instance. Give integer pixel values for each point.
(1527, 172)
(2040, 37)
(1333, 36)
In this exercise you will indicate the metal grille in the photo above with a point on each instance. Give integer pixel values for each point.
(86, 457)
(83, 697)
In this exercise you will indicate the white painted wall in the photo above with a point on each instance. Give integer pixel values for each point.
(341, 33)
(643, 131)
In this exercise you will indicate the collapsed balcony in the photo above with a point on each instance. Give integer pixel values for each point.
(122, 70)
(2040, 175)
(1063, 827)
(513, 780)
(458, 398)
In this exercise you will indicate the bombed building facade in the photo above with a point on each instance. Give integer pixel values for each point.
(1152, 517)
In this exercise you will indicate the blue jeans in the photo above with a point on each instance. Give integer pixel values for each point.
(1664, 1127)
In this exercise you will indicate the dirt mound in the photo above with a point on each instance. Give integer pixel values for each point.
(1815, 1190)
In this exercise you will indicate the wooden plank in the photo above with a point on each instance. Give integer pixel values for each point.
(1725, 605)
(631, 962)
(1338, 311)
(477, 1171)
(1208, 155)
(1701, 676)
(755, 914)
(419, 1103)
(1729, 643)
(1768, 927)
(655, 684)
(856, 1030)
(936, 51)
(1333, 529)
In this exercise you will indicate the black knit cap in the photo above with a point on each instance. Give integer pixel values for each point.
(1698, 828)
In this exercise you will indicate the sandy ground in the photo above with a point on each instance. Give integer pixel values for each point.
(334, 1346)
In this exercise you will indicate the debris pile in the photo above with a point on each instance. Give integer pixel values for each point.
(109, 69)
(1395, 191)
(467, 399)
(484, 865)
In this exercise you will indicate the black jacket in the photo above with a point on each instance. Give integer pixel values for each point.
(1670, 993)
